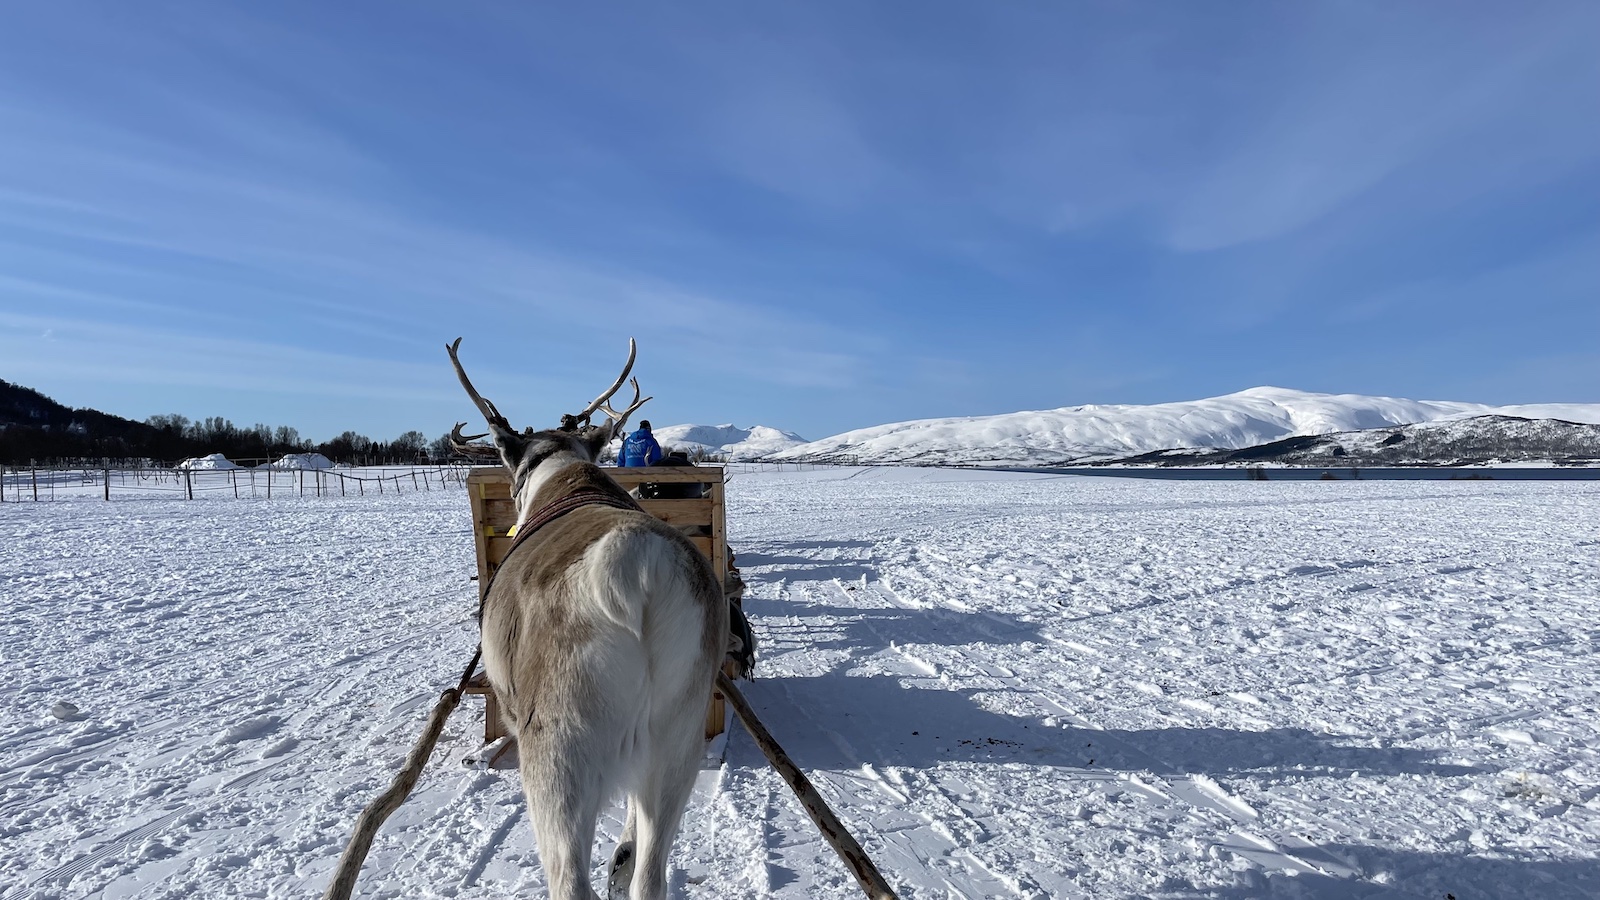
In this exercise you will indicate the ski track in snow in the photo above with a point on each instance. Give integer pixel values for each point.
(1007, 686)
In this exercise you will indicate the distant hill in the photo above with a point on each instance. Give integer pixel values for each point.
(1185, 432)
(27, 407)
(728, 441)
(32, 426)
(1476, 440)
(35, 430)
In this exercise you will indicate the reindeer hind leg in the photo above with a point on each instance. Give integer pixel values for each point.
(658, 810)
(620, 876)
(564, 802)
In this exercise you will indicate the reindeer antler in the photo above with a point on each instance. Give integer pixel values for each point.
(617, 419)
(484, 406)
(633, 350)
(463, 443)
(500, 430)
(602, 403)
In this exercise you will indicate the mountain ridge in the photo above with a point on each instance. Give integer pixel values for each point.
(1100, 433)
(728, 442)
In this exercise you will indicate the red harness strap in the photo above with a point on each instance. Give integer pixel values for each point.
(557, 508)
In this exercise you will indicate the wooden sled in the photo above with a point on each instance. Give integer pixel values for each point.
(701, 518)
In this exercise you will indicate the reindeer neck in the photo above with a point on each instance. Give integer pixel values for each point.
(560, 476)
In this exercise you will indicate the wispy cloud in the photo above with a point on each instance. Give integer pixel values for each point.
(1361, 106)
(818, 211)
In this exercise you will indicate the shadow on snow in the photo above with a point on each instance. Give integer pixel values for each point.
(887, 720)
(1414, 874)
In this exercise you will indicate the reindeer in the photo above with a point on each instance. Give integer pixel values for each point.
(602, 633)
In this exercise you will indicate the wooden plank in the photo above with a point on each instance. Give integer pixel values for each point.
(637, 475)
(694, 511)
(502, 514)
(717, 709)
(479, 539)
(718, 551)
(496, 550)
(716, 715)
(493, 482)
(495, 490)
(497, 481)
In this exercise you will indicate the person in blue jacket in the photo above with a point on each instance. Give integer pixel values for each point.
(640, 448)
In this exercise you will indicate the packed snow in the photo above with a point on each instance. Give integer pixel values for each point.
(211, 462)
(1088, 433)
(303, 461)
(1006, 685)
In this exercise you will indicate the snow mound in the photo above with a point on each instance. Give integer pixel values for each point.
(728, 441)
(303, 461)
(1095, 433)
(214, 461)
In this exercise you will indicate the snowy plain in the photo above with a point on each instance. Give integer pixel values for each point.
(1007, 685)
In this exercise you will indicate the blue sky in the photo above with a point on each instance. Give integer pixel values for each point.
(815, 216)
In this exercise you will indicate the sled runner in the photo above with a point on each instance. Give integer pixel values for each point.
(699, 517)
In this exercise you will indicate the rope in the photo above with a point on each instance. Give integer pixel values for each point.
(832, 829)
(372, 818)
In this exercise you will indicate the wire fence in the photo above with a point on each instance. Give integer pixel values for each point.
(756, 467)
(43, 483)
(28, 484)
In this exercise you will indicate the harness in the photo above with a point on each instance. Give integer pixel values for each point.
(549, 513)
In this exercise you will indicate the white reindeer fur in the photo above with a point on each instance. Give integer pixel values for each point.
(529, 482)
(627, 712)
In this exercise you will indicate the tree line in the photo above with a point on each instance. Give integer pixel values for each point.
(35, 430)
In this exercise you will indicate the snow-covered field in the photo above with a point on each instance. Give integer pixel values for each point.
(1007, 685)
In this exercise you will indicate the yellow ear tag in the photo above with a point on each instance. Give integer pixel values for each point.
(513, 531)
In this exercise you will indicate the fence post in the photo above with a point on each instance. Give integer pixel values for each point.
(233, 476)
(35, 484)
(188, 483)
(269, 481)
(107, 474)
(341, 483)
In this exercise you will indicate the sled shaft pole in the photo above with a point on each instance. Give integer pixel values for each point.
(344, 877)
(867, 875)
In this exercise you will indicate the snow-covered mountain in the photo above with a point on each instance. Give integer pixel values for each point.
(1088, 434)
(1475, 440)
(728, 441)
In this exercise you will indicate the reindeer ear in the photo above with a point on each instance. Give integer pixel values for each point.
(510, 444)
